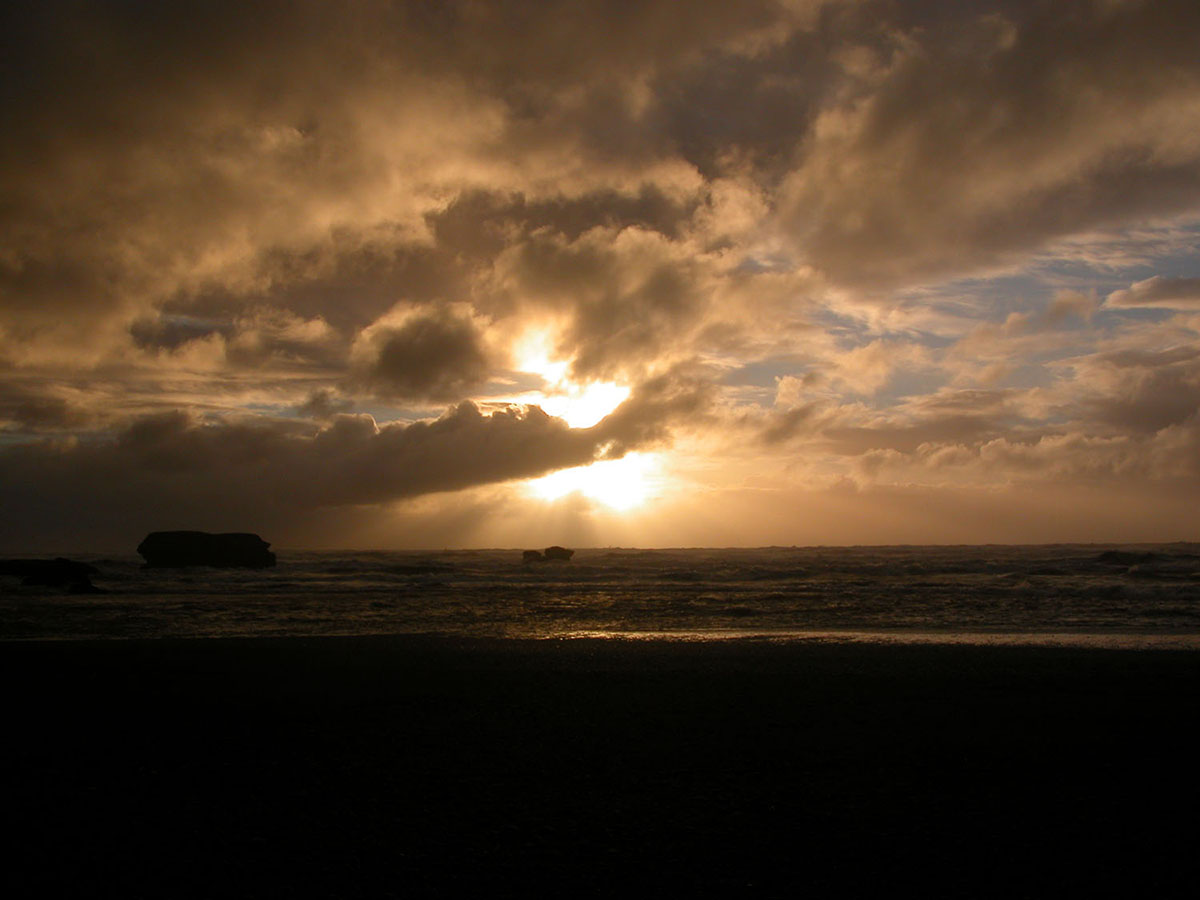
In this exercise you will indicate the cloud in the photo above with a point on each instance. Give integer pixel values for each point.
(631, 298)
(40, 408)
(170, 332)
(323, 405)
(854, 241)
(1142, 391)
(1158, 292)
(680, 398)
(154, 156)
(975, 139)
(436, 354)
(866, 369)
(173, 470)
(281, 475)
(332, 164)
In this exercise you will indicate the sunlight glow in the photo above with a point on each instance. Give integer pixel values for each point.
(534, 353)
(584, 406)
(580, 405)
(620, 484)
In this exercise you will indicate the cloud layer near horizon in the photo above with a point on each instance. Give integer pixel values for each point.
(250, 256)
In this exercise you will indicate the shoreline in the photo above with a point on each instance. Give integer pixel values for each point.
(1126, 641)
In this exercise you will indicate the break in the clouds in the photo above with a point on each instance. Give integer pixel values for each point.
(295, 265)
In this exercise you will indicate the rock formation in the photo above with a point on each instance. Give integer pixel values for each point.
(162, 549)
(558, 553)
(59, 572)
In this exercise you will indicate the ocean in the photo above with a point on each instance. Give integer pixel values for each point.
(1117, 596)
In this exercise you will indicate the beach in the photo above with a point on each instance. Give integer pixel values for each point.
(401, 766)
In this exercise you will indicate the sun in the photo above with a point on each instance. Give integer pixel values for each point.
(584, 406)
(534, 352)
(579, 404)
(620, 484)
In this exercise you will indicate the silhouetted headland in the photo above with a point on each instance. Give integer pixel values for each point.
(163, 549)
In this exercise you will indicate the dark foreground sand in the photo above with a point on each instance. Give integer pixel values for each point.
(409, 766)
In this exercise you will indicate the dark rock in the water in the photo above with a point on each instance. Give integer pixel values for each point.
(162, 549)
(59, 573)
(550, 553)
(1125, 558)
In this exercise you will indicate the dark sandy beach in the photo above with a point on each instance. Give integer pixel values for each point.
(397, 766)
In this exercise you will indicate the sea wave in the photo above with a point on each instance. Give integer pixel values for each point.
(779, 591)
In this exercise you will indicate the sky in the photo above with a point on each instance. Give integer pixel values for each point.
(653, 273)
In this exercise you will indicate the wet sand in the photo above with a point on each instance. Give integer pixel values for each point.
(401, 766)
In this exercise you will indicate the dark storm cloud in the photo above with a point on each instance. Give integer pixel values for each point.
(42, 408)
(680, 397)
(303, 157)
(1138, 391)
(151, 147)
(970, 143)
(173, 469)
(281, 475)
(424, 356)
(323, 405)
(172, 332)
(481, 224)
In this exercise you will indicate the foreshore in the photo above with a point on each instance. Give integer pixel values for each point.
(394, 766)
